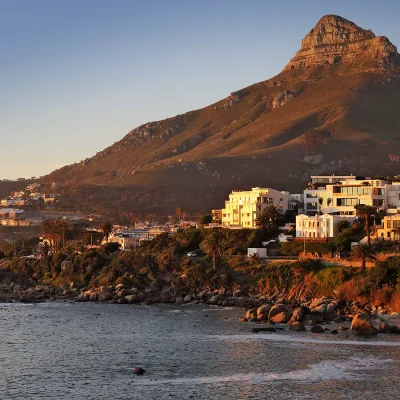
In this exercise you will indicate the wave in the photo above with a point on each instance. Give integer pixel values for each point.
(323, 371)
(274, 337)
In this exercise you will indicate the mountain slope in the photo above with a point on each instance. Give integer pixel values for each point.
(333, 109)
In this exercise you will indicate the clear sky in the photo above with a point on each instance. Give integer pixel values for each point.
(77, 75)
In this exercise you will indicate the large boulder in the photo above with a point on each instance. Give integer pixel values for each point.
(296, 326)
(277, 309)
(104, 296)
(130, 299)
(362, 325)
(263, 312)
(298, 315)
(281, 318)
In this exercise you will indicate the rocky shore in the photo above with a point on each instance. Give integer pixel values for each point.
(267, 314)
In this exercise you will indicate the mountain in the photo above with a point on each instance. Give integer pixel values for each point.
(333, 109)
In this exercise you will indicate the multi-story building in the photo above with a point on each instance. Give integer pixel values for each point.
(245, 206)
(389, 228)
(318, 226)
(340, 198)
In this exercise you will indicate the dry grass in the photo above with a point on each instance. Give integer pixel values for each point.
(395, 302)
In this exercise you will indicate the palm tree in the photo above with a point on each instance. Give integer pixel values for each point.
(366, 213)
(213, 245)
(107, 229)
(363, 252)
(180, 212)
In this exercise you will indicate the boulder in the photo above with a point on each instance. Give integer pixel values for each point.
(130, 299)
(138, 371)
(297, 326)
(263, 312)
(384, 327)
(362, 326)
(214, 300)
(104, 296)
(243, 319)
(188, 298)
(252, 313)
(281, 318)
(263, 329)
(277, 309)
(317, 329)
(298, 315)
(93, 297)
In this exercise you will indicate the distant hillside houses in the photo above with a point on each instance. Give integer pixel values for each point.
(131, 238)
(13, 217)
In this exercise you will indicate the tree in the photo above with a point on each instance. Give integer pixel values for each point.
(56, 231)
(270, 216)
(363, 252)
(205, 219)
(107, 229)
(180, 212)
(213, 245)
(341, 226)
(366, 213)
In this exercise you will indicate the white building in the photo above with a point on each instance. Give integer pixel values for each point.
(245, 206)
(341, 197)
(318, 226)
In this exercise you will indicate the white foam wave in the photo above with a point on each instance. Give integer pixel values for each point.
(274, 337)
(324, 371)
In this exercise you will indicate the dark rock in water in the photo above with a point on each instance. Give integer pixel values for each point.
(256, 330)
(206, 315)
(296, 326)
(384, 327)
(317, 329)
(334, 332)
(138, 371)
(394, 329)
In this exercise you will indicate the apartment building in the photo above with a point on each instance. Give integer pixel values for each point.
(244, 206)
(341, 197)
(389, 229)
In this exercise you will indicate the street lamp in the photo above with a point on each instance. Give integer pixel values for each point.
(304, 244)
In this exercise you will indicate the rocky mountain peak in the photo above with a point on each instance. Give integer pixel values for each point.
(335, 40)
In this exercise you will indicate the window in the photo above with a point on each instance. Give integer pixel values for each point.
(281, 199)
(389, 224)
(347, 202)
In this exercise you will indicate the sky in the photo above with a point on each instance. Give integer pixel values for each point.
(76, 76)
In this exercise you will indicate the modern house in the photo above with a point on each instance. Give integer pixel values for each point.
(341, 197)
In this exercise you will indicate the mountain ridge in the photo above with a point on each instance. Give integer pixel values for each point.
(318, 117)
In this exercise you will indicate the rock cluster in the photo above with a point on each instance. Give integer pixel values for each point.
(317, 313)
(335, 40)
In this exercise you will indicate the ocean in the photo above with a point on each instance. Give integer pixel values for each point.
(87, 351)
